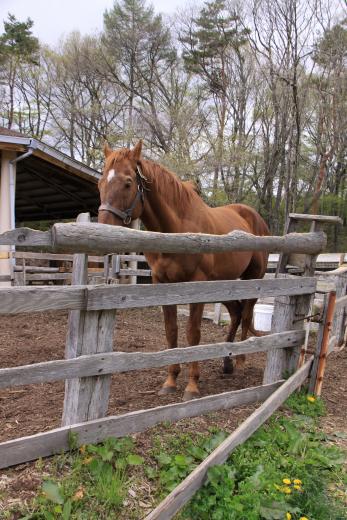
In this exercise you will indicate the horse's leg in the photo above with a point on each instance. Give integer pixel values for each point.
(247, 318)
(171, 330)
(193, 336)
(234, 309)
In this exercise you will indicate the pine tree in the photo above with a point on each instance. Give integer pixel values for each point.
(18, 46)
(136, 41)
(214, 34)
(208, 44)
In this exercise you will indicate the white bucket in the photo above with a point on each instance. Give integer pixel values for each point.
(263, 316)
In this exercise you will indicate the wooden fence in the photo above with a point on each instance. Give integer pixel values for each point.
(28, 268)
(90, 360)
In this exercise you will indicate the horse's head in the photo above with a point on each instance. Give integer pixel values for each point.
(121, 186)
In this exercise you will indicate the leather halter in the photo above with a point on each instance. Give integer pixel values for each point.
(126, 215)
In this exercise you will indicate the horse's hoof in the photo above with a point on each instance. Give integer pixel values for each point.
(167, 390)
(188, 396)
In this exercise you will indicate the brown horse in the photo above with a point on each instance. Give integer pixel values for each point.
(132, 187)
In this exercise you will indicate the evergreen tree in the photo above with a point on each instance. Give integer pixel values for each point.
(18, 46)
(215, 32)
(208, 44)
(136, 41)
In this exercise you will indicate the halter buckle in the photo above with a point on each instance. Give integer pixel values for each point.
(127, 220)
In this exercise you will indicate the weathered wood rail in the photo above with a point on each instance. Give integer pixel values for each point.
(94, 238)
(89, 297)
(113, 362)
(109, 268)
(90, 360)
(48, 443)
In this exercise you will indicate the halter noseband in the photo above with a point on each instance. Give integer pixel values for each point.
(126, 215)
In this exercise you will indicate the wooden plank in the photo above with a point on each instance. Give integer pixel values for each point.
(28, 255)
(133, 258)
(35, 299)
(47, 277)
(186, 489)
(48, 443)
(69, 257)
(125, 297)
(35, 269)
(26, 237)
(104, 238)
(113, 362)
(135, 272)
(53, 256)
(327, 219)
(325, 260)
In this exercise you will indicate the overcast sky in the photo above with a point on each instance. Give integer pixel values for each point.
(53, 18)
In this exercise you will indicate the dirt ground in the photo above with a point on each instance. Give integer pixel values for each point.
(26, 339)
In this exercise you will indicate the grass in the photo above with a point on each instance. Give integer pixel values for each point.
(89, 483)
(287, 470)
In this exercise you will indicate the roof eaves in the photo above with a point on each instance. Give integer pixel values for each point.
(51, 152)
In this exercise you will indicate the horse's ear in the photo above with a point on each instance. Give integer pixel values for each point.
(107, 149)
(136, 151)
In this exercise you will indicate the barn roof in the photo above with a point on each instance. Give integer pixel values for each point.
(50, 185)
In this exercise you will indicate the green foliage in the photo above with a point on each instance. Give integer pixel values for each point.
(332, 47)
(216, 31)
(253, 483)
(172, 467)
(133, 33)
(285, 467)
(94, 487)
(306, 405)
(18, 42)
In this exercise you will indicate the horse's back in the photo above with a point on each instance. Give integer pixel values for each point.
(241, 217)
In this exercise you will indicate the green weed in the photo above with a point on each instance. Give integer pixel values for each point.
(282, 472)
(94, 486)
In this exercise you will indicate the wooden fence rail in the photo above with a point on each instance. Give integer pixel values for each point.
(113, 362)
(29, 299)
(54, 441)
(103, 239)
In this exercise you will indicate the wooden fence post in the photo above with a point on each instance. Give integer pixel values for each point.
(289, 314)
(339, 322)
(88, 332)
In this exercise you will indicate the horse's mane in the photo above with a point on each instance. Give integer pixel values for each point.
(162, 180)
(167, 183)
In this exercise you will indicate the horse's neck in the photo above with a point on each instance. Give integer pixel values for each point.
(163, 210)
(160, 214)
